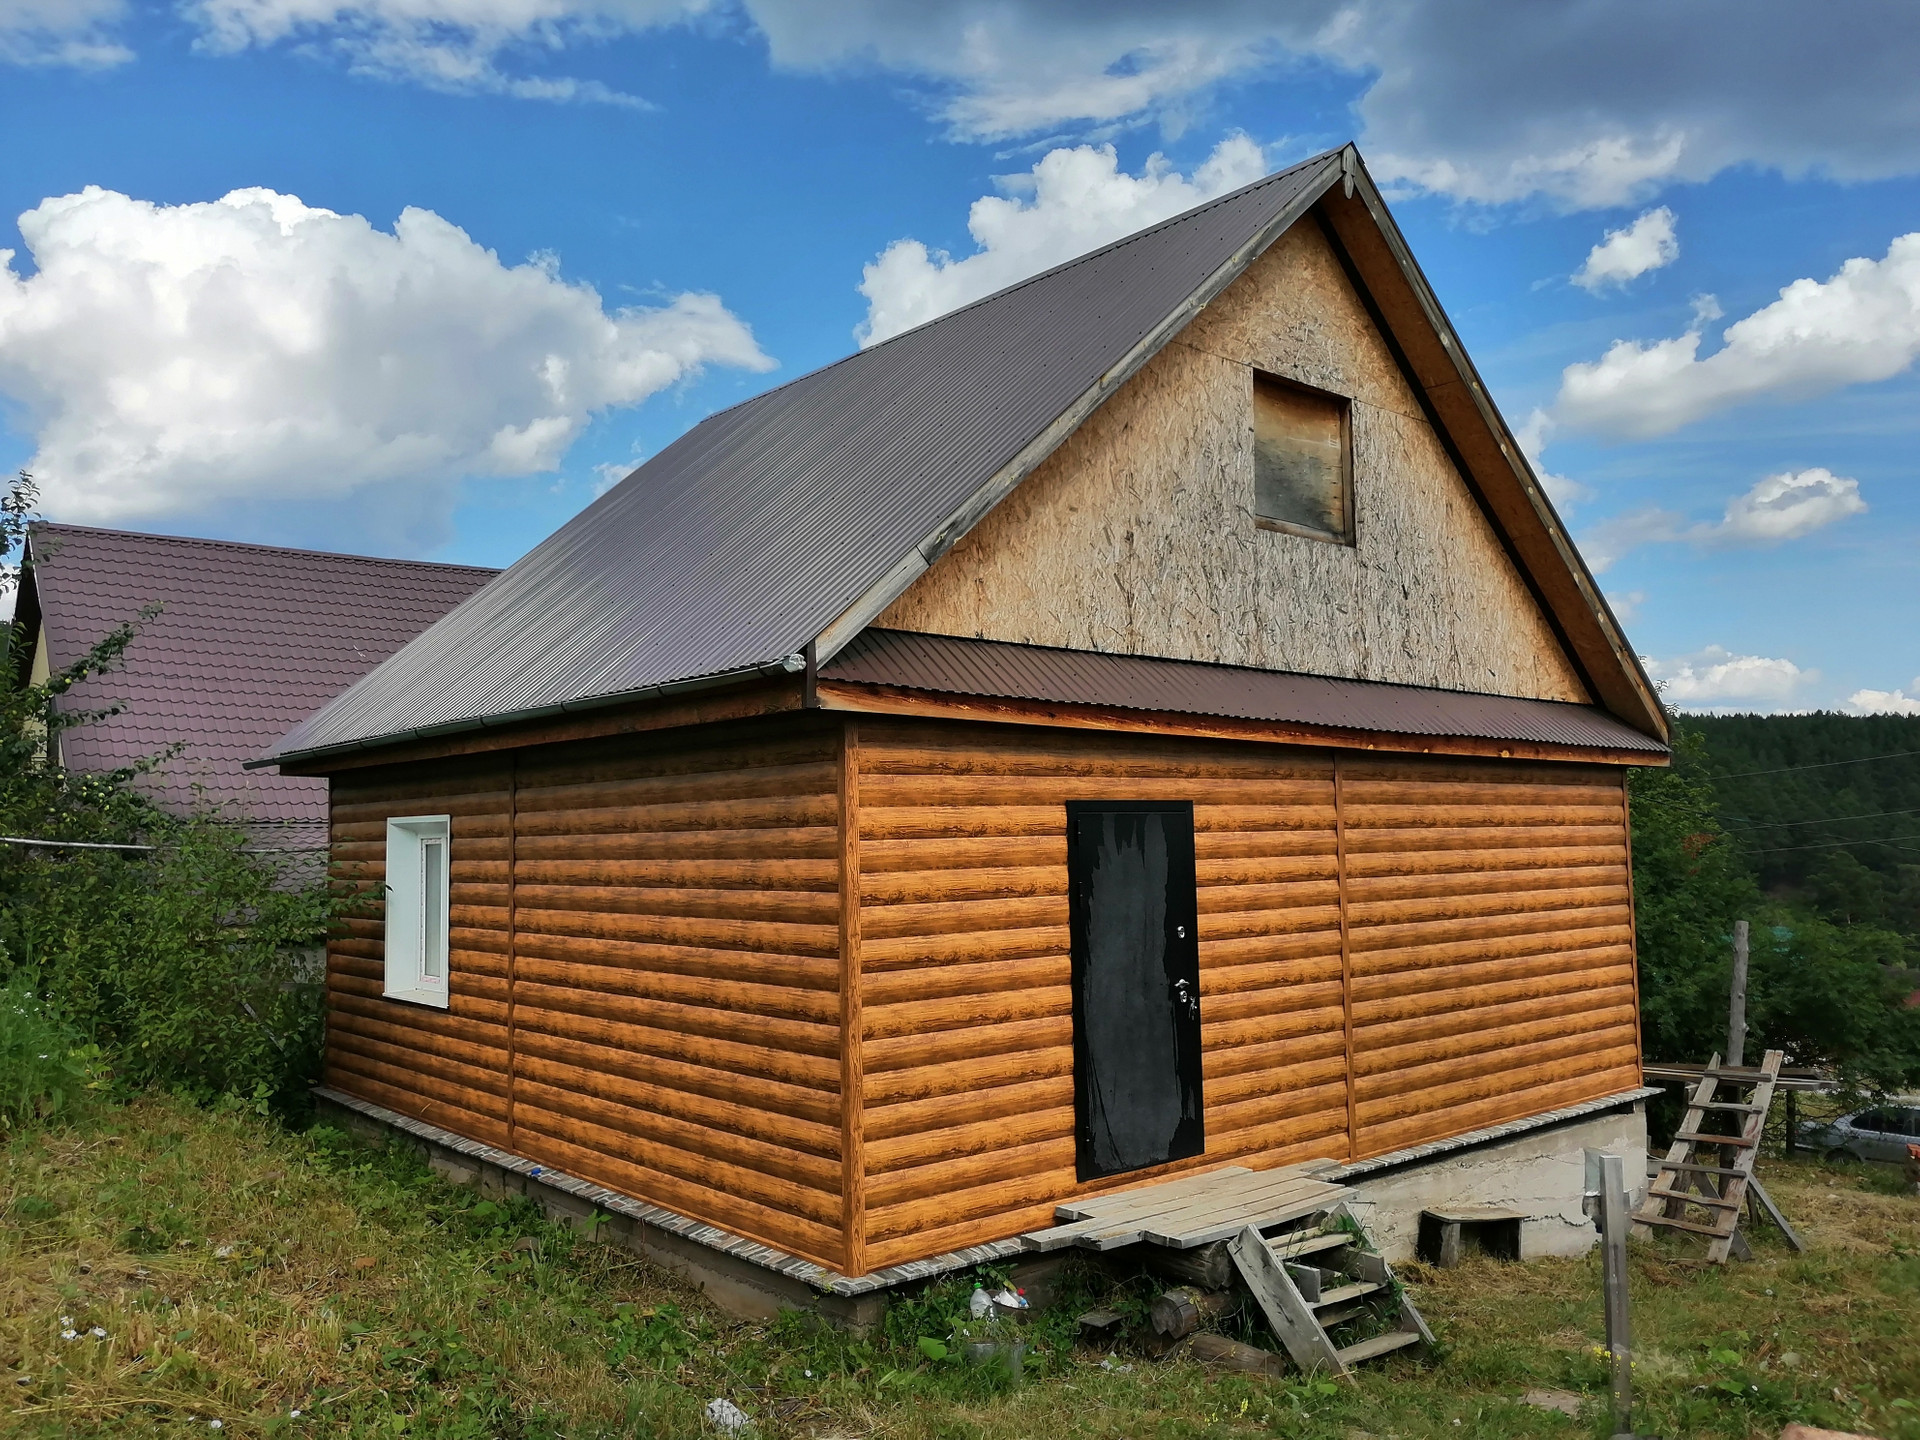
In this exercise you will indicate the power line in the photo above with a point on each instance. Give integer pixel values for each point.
(1832, 844)
(1821, 765)
(1828, 820)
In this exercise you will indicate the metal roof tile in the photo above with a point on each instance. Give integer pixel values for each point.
(748, 536)
(998, 669)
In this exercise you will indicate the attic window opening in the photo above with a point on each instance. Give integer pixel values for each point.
(1302, 461)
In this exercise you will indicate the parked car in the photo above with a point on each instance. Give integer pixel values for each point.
(1879, 1132)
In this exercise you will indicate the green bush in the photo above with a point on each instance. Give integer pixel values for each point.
(43, 1069)
(184, 958)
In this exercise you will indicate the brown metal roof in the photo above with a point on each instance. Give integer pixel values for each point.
(250, 640)
(999, 670)
(730, 550)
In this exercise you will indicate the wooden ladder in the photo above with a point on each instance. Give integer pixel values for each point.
(1323, 1277)
(1707, 1175)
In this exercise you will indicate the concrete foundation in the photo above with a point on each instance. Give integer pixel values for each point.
(1533, 1167)
(1539, 1175)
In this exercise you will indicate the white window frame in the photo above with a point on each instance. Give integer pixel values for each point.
(418, 941)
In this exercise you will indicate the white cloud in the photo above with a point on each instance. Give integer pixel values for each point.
(1647, 244)
(253, 350)
(1862, 324)
(451, 45)
(1626, 607)
(1717, 677)
(1072, 201)
(1481, 100)
(1532, 438)
(1887, 702)
(62, 32)
(1787, 506)
(1780, 507)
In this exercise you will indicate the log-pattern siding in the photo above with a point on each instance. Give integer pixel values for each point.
(650, 936)
(1486, 970)
(676, 975)
(1491, 940)
(968, 1009)
(445, 1066)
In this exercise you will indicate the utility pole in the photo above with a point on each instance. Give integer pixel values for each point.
(1737, 1000)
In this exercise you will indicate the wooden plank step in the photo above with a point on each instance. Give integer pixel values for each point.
(1379, 1345)
(1732, 1105)
(1150, 1199)
(1693, 1168)
(1237, 1204)
(1739, 1141)
(1692, 1199)
(1720, 1231)
(1313, 1244)
(1340, 1294)
(1280, 1302)
(1228, 1224)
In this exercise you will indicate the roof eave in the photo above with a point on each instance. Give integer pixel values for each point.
(786, 665)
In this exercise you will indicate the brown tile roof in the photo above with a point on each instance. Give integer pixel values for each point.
(251, 640)
(998, 670)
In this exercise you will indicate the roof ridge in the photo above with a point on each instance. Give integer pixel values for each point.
(1083, 258)
(56, 525)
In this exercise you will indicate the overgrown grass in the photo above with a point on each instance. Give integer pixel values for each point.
(240, 1273)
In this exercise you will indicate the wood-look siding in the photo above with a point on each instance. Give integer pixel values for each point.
(445, 1066)
(1490, 926)
(1485, 974)
(653, 937)
(674, 946)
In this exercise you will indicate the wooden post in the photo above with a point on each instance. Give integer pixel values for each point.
(1607, 1201)
(1737, 999)
(1793, 1125)
(1613, 1235)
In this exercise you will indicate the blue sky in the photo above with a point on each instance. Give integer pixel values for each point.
(624, 214)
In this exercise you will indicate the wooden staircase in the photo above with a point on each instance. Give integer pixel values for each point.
(1332, 1302)
(1707, 1175)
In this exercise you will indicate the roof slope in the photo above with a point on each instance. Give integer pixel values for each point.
(757, 530)
(1002, 670)
(250, 639)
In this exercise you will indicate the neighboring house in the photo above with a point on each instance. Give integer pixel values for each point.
(248, 640)
(1146, 720)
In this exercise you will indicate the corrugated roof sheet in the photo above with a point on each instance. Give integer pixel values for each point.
(1000, 670)
(250, 639)
(749, 535)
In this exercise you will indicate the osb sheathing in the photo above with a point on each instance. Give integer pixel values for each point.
(1137, 536)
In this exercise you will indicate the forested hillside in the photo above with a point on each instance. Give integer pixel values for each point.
(1808, 826)
(1825, 808)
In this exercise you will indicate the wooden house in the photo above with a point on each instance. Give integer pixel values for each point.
(1146, 720)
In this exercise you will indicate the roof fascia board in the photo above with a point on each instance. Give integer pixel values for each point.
(1459, 398)
(856, 617)
(787, 665)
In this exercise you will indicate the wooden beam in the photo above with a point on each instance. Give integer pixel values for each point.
(853, 1178)
(897, 700)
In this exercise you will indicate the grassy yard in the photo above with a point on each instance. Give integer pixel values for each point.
(220, 1274)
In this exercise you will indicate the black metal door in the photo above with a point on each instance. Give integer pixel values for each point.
(1136, 983)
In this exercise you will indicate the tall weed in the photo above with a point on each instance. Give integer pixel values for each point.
(43, 1065)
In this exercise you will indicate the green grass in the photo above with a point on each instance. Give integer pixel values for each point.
(241, 1273)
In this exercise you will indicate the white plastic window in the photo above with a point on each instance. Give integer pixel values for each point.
(417, 882)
